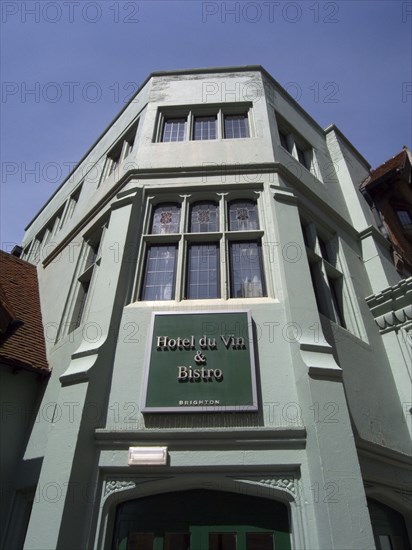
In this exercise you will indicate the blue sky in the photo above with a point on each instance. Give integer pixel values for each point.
(68, 67)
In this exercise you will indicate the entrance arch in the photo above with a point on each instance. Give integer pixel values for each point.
(202, 519)
(388, 526)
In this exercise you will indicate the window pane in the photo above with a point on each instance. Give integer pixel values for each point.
(404, 217)
(323, 249)
(222, 541)
(92, 251)
(72, 205)
(80, 304)
(246, 275)
(140, 541)
(301, 155)
(129, 147)
(306, 236)
(319, 287)
(174, 129)
(159, 279)
(236, 126)
(335, 286)
(177, 541)
(283, 140)
(166, 219)
(385, 542)
(243, 216)
(202, 271)
(259, 541)
(204, 217)
(204, 127)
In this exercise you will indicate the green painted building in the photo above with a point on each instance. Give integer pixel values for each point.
(229, 341)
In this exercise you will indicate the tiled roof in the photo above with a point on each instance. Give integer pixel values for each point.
(398, 162)
(22, 340)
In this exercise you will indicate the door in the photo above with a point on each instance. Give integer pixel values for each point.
(202, 520)
(388, 527)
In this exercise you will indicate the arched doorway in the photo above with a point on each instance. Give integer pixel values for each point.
(388, 527)
(202, 520)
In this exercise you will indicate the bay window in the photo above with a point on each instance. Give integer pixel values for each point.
(202, 249)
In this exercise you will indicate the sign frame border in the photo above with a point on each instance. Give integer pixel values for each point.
(204, 408)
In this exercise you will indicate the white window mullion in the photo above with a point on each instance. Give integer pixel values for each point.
(224, 268)
(180, 267)
(220, 124)
(189, 126)
(182, 252)
(224, 254)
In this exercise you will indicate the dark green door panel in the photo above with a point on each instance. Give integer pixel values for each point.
(202, 520)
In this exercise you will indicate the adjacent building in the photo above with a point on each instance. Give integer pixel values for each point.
(229, 340)
(24, 373)
(388, 190)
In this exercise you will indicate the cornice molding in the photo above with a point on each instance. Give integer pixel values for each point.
(392, 307)
(371, 231)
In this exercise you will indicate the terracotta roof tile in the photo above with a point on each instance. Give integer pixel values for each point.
(22, 344)
(398, 162)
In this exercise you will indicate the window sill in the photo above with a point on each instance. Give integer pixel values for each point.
(216, 140)
(203, 303)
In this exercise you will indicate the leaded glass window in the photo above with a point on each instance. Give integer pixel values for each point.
(243, 215)
(202, 271)
(204, 217)
(236, 126)
(166, 219)
(174, 129)
(160, 272)
(216, 253)
(204, 127)
(246, 274)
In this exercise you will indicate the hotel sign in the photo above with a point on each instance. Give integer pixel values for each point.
(200, 362)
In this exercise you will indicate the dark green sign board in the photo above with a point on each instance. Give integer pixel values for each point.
(200, 362)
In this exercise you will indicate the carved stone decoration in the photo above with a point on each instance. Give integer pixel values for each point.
(287, 483)
(117, 485)
(392, 307)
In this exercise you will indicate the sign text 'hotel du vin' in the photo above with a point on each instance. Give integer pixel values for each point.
(200, 362)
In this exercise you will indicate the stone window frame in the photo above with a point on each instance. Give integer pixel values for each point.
(325, 251)
(191, 112)
(184, 238)
(291, 141)
(119, 151)
(86, 271)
